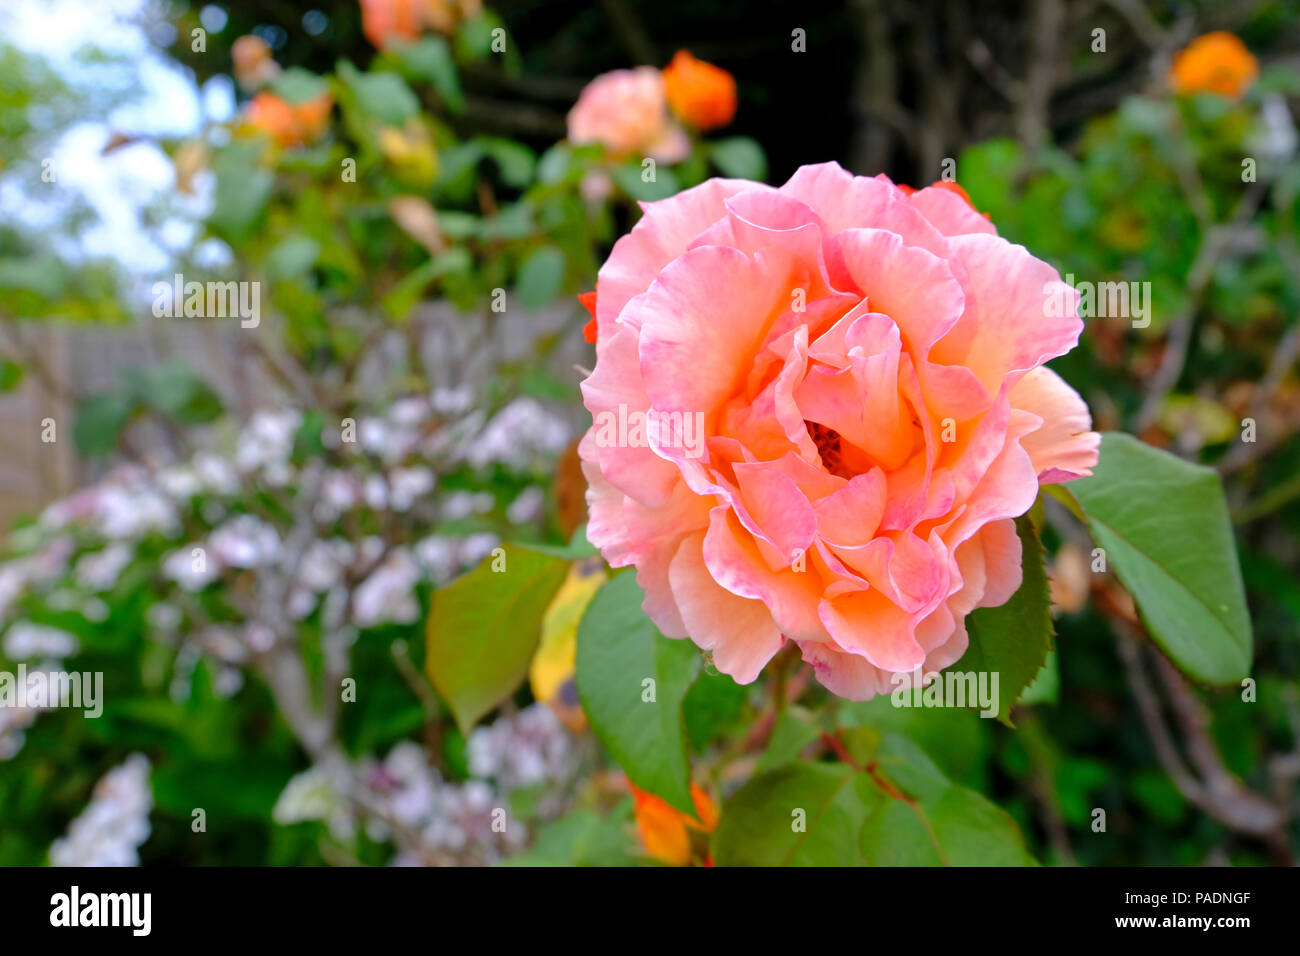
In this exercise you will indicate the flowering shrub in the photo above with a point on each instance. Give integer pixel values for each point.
(724, 561)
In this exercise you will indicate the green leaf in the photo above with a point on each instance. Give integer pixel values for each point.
(940, 822)
(955, 738)
(457, 170)
(474, 37)
(483, 629)
(802, 814)
(515, 161)
(242, 191)
(541, 276)
(739, 157)
(408, 290)
(458, 226)
(630, 178)
(713, 703)
(895, 835)
(1013, 640)
(1163, 524)
(576, 549)
(383, 96)
(173, 389)
(180, 787)
(987, 170)
(297, 85)
(292, 257)
(1046, 688)
(554, 164)
(512, 222)
(100, 420)
(581, 838)
(11, 374)
(430, 59)
(794, 730)
(620, 652)
(973, 831)
(965, 827)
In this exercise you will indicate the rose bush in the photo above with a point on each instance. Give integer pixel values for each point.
(868, 368)
(627, 112)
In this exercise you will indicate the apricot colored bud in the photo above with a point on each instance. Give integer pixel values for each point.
(665, 830)
(290, 124)
(1217, 62)
(701, 94)
(588, 300)
(383, 21)
(951, 186)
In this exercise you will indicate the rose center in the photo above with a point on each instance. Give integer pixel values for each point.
(830, 448)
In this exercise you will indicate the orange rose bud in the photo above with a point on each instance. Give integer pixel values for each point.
(588, 300)
(665, 830)
(290, 124)
(701, 94)
(951, 186)
(1217, 62)
(383, 21)
(386, 20)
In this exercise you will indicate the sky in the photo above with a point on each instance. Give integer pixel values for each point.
(170, 104)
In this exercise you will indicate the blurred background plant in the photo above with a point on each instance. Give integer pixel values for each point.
(242, 524)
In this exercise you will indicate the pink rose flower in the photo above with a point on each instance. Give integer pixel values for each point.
(627, 110)
(817, 411)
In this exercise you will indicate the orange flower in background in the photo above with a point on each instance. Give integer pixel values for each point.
(951, 186)
(383, 21)
(701, 94)
(627, 111)
(290, 124)
(1217, 62)
(588, 300)
(665, 830)
(253, 64)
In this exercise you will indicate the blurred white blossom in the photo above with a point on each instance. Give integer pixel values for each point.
(191, 571)
(529, 748)
(457, 505)
(527, 507)
(112, 828)
(313, 795)
(267, 439)
(99, 570)
(25, 640)
(245, 541)
(388, 594)
(407, 485)
(460, 819)
(517, 434)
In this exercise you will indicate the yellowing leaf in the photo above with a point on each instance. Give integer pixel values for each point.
(553, 663)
